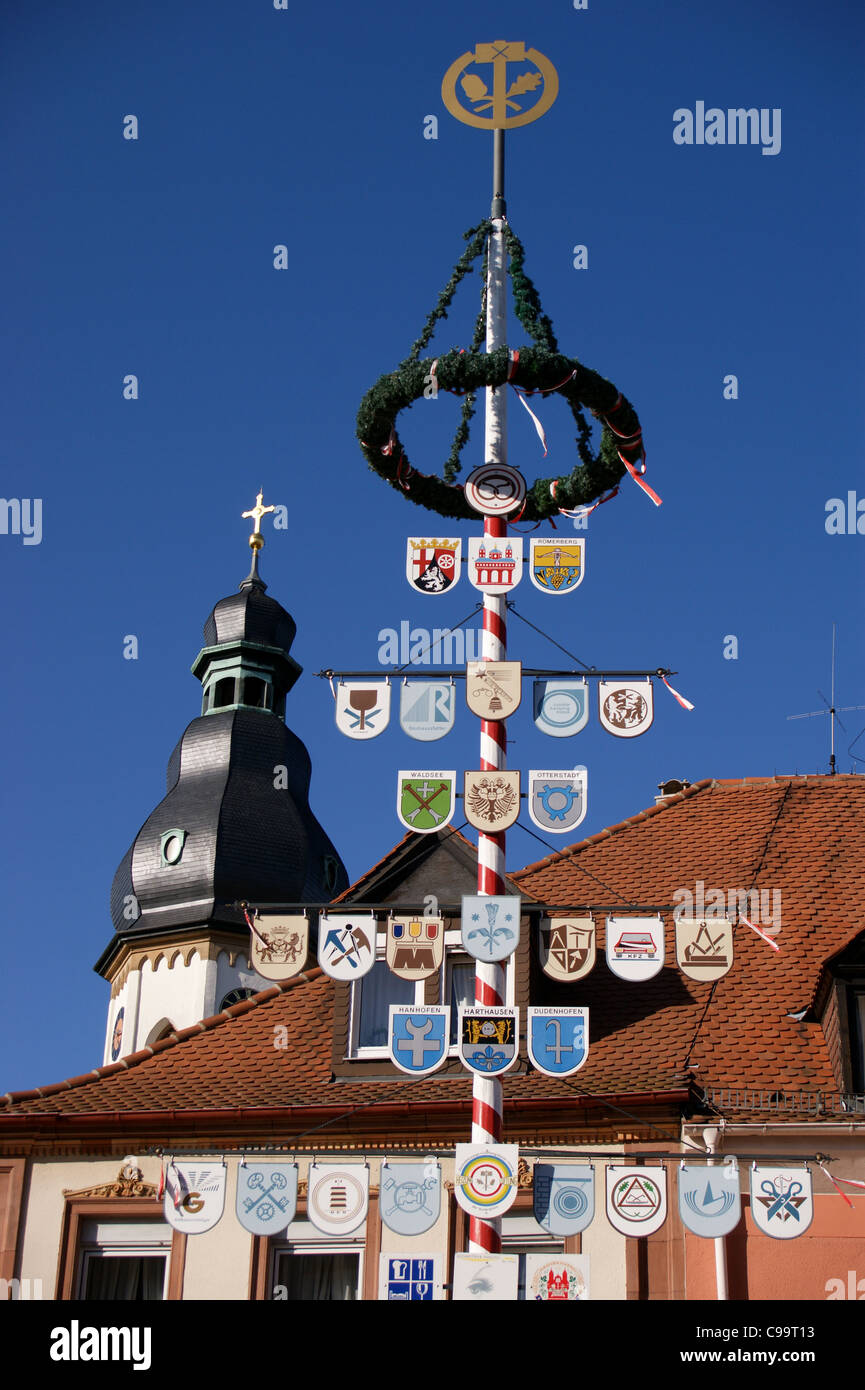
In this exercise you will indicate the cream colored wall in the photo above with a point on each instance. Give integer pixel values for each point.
(217, 1262)
(43, 1219)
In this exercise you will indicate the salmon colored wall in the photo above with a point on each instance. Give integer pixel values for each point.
(762, 1268)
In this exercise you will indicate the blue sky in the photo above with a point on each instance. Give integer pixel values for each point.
(305, 127)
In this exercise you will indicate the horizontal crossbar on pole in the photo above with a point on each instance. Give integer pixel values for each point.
(459, 673)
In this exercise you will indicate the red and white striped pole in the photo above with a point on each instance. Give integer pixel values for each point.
(485, 1235)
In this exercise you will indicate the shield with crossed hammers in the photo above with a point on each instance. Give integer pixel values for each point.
(425, 800)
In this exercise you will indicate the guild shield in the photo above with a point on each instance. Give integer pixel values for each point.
(782, 1200)
(414, 946)
(709, 1201)
(557, 567)
(625, 708)
(704, 947)
(346, 944)
(278, 944)
(495, 566)
(427, 709)
(410, 1196)
(362, 708)
(557, 800)
(567, 947)
(561, 707)
(337, 1196)
(419, 1036)
(425, 800)
(636, 1199)
(266, 1197)
(635, 946)
(485, 1178)
(493, 688)
(558, 1039)
(488, 1038)
(432, 566)
(194, 1196)
(564, 1197)
(490, 925)
(491, 800)
(557, 1278)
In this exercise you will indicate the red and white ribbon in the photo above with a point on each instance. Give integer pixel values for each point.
(538, 426)
(767, 939)
(686, 704)
(849, 1182)
(252, 927)
(160, 1187)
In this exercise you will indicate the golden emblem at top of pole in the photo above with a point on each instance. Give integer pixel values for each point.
(500, 99)
(256, 540)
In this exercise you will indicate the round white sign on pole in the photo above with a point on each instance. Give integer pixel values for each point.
(495, 489)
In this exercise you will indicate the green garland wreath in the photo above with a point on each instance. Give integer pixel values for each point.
(541, 368)
(537, 369)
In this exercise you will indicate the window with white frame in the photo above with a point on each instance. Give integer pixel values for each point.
(308, 1266)
(371, 999)
(124, 1261)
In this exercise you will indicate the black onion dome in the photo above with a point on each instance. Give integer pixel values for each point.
(245, 838)
(250, 616)
(235, 823)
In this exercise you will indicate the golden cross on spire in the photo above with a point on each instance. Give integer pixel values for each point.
(256, 540)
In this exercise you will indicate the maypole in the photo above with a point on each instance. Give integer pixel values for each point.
(490, 977)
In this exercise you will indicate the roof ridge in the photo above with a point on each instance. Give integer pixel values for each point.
(174, 1039)
(610, 830)
(410, 835)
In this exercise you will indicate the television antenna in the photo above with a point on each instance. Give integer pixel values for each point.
(832, 711)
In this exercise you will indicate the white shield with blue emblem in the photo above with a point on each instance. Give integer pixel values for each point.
(564, 1196)
(419, 1037)
(427, 708)
(709, 1202)
(490, 925)
(782, 1201)
(558, 1039)
(266, 1197)
(362, 708)
(557, 800)
(410, 1196)
(561, 707)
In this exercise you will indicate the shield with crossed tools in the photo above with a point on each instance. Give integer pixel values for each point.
(782, 1201)
(410, 1196)
(346, 944)
(362, 708)
(266, 1197)
(425, 800)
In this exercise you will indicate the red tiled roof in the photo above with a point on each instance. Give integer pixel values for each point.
(802, 836)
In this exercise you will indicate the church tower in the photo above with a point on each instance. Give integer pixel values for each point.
(235, 824)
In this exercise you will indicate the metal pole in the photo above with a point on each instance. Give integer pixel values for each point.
(485, 1236)
(710, 1139)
